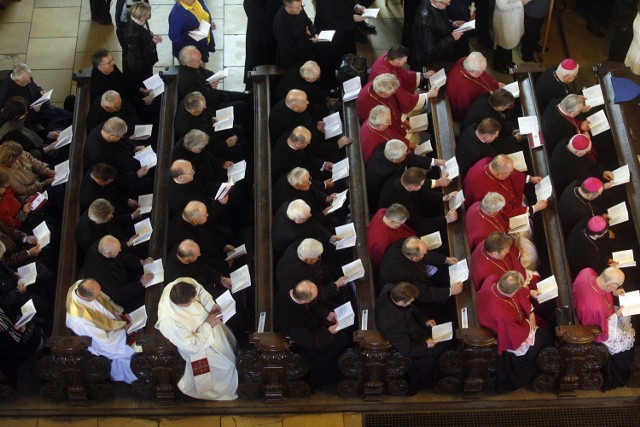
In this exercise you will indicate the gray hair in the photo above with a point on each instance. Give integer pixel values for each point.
(100, 210)
(295, 176)
(309, 69)
(492, 202)
(385, 84)
(377, 115)
(106, 246)
(109, 98)
(115, 126)
(309, 249)
(298, 209)
(510, 282)
(19, 71)
(572, 103)
(475, 62)
(193, 100)
(394, 149)
(195, 138)
(186, 54)
(397, 212)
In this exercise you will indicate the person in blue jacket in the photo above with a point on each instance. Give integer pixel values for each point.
(186, 16)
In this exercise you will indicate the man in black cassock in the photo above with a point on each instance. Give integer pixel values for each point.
(295, 34)
(261, 43)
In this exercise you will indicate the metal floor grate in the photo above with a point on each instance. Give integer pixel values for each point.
(606, 416)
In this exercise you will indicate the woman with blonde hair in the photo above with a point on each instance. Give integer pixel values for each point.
(141, 44)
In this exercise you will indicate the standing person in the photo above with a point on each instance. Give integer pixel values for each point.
(295, 34)
(624, 14)
(141, 44)
(189, 317)
(100, 11)
(508, 28)
(261, 43)
(632, 60)
(535, 12)
(186, 16)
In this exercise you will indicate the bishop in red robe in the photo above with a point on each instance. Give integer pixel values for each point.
(372, 136)
(485, 264)
(388, 62)
(382, 232)
(479, 224)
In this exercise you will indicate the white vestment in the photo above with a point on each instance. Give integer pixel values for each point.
(196, 340)
(508, 23)
(112, 344)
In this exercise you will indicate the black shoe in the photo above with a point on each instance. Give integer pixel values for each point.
(361, 38)
(527, 59)
(503, 69)
(593, 29)
(368, 28)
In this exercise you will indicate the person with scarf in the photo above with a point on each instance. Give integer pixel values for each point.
(186, 16)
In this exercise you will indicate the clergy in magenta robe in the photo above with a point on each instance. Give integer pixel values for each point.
(466, 82)
(209, 350)
(481, 179)
(392, 62)
(480, 221)
(91, 313)
(496, 255)
(376, 131)
(383, 90)
(386, 226)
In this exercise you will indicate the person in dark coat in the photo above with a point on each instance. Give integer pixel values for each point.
(261, 44)
(424, 205)
(341, 17)
(561, 121)
(111, 104)
(312, 329)
(389, 161)
(295, 34)
(477, 142)
(399, 324)
(98, 183)
(434, 38)
(186, 16)
(579, 202)
(589, 245)
(535, 13)
(100, 11)
(141, 44)
(99, 221)
(297, 185)
(554, 83)
(118, 273)
(291, 151)
(183, 188)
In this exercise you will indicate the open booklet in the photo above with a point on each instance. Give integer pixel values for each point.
(340, 170)
(514, 88)
(621, 176)
(219, 75)
(456, 201)
(145, 203)
(346, 236)
(548, 289)
(451, 168)
(62, 173)
(593, 95)
(43, 234)
(156, 268)
(544, 189)
(240, 279)
(141, 132)
(332, 125)
(237, 172)
(227, 306)
(424, 148)
(351, 89)
(618, 213)
(439, 79)
(326, 35)
(338, 202)
(46, 97)
(201, 32)
(236, 253)
(458, 272)
(442, 332)
(519, 163)
(419, 122)
(370, 13)
(519, 223)
(224, 119)
(28, 273)
(155, 84)
(630, 303)
(146, 157)
(433, 240)
(624, 258)
(143, 230)
(64, 138)
(598, 123)
(467, 26)
(138, 319)
(345, 316)
(28, 311)
(354, 270)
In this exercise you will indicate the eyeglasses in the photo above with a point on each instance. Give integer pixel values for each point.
(107, 63)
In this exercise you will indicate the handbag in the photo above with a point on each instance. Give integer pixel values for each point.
(352, 66)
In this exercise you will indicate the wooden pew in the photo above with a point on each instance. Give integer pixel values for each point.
(468, 368)
(70, 371)
(269, 369)
(577, 341)
(624, 119)
(374, 366)
(159, 366)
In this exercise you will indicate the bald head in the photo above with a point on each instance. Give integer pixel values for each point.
(501, 166)
(414, 249)
(305, 292)
(611, 278)
(88, 289)
(109, 246)
(195, 213)
(299, 138)
(182, 171)
(296, 100)
(310, 71)
(188, 251)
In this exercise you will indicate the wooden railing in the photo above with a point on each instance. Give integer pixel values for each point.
(577, 340)
(373, 367)
(467, 369)
(269, 369)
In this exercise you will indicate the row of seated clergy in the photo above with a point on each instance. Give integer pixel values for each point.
(291, 112)
(563, 120)
(107, 143)
(504, 306)
(192, 77)
(553, 83)
(594, 305)
(408, 260)
(389, 161)
(20, 84)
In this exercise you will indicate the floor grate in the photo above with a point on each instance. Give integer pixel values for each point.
(606, 416)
